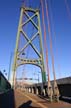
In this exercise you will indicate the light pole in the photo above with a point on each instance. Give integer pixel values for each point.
(37, 75)
(9, 67)
(38, 78)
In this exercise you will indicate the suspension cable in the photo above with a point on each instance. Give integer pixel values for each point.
(45, 44)
(50, 40)
(68, 9)
(54, 32)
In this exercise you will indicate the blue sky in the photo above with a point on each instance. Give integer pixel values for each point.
(60, 24)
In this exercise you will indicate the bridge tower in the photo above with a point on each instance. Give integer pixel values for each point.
(28, 15)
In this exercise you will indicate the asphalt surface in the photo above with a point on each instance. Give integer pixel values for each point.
(29, 100)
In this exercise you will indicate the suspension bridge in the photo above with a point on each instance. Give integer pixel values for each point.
(31, 55)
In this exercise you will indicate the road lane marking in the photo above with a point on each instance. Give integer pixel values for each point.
(41, 105)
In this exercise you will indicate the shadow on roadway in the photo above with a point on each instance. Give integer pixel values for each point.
(44, 97)
(27, 105)
(7, 99)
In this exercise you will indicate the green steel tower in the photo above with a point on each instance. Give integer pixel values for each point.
(29, 15)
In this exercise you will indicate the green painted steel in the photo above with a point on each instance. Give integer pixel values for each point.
(37, 61)
(44, 76)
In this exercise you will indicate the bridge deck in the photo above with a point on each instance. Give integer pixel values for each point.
(28, 100)
(19, 99)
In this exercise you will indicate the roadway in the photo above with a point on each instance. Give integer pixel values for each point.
(29, 100)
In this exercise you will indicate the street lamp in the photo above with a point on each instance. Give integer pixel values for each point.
(37, 75)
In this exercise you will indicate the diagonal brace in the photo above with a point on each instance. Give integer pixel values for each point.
(28, 20)
(32, 21)
(30, 42)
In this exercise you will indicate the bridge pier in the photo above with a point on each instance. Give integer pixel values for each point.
(29, 90)
(37, 91)
(44, 91)
(32, 90)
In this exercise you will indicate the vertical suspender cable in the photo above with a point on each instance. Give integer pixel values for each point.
(68, 9)
(50, 40)
(49, 90)
(45, 44)
(53, 28)
(56, 91)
